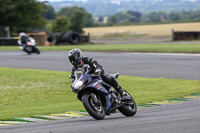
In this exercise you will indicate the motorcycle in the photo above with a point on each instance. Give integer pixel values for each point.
(29, 46)
(99, 98)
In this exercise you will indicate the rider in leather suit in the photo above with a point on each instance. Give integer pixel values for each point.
(23, 38)
(77, 60)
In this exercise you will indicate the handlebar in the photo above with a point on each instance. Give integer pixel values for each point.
(87, 69)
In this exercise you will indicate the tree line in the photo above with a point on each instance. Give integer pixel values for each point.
(129, 17)
(28, 15)
(21, 15)
(135, 17)
(68, 18)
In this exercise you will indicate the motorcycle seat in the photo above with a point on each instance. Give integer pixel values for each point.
(116, 75)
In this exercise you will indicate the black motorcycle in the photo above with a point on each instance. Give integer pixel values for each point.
(99, 98)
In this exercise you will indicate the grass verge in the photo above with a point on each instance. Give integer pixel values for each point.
(27, 92)
(157, 48)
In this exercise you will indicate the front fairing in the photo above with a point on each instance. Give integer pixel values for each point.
(81, 78)
(84, 80)
(84, 83)
(98, 87)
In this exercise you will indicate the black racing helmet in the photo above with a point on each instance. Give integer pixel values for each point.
(75, 56)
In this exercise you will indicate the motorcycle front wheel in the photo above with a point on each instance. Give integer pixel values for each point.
(96, 111)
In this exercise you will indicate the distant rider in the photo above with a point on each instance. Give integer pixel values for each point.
(23, 38)
(77, 60)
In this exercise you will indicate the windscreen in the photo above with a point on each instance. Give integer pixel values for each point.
(78, 73)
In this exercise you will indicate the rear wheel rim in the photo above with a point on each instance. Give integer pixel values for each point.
(131, 107)
(131, 104)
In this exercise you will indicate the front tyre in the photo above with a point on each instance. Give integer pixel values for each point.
(96, 111)
(129, 107)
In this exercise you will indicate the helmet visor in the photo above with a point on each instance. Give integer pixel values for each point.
(79, 62)
(75, 59)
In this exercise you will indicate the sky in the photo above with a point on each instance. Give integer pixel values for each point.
(62, 0)
(115, 0)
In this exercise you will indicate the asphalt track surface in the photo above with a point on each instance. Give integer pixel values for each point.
(181, 117)
(175, 118)
(179, 66)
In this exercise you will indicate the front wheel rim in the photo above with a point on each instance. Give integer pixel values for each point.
(98, 109)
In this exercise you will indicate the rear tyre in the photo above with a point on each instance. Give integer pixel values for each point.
(96, 111)
(129, 108)
(37, 50)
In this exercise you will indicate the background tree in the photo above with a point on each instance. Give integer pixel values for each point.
(125, 18)
(6, 8)
(158, 16)
(69, 12)
(49, 13)
(112, 20)
(136, 14)
(21, 15)
(101, 19)
(77, 21)
(61, 24)
(89, 21)
(174, 16)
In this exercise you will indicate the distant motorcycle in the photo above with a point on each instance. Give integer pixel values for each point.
(29, 46)
(99, 98)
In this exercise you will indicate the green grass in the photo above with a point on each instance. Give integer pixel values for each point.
(157, 48)
(27, 92)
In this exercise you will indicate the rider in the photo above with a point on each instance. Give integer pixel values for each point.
(22, 39)
(77, 60)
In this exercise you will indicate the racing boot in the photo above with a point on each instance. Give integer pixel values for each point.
(123, 93)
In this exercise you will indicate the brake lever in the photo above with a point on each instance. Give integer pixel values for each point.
(89, 70)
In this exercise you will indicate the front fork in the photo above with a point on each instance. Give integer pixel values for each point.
(96, 101)
(94, 97)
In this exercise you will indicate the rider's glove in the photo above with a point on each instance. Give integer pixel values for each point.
(72, 77)
(97, 71)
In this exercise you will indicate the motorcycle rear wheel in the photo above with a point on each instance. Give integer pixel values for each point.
(37, 50)
(129, 108)
(96, 111)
